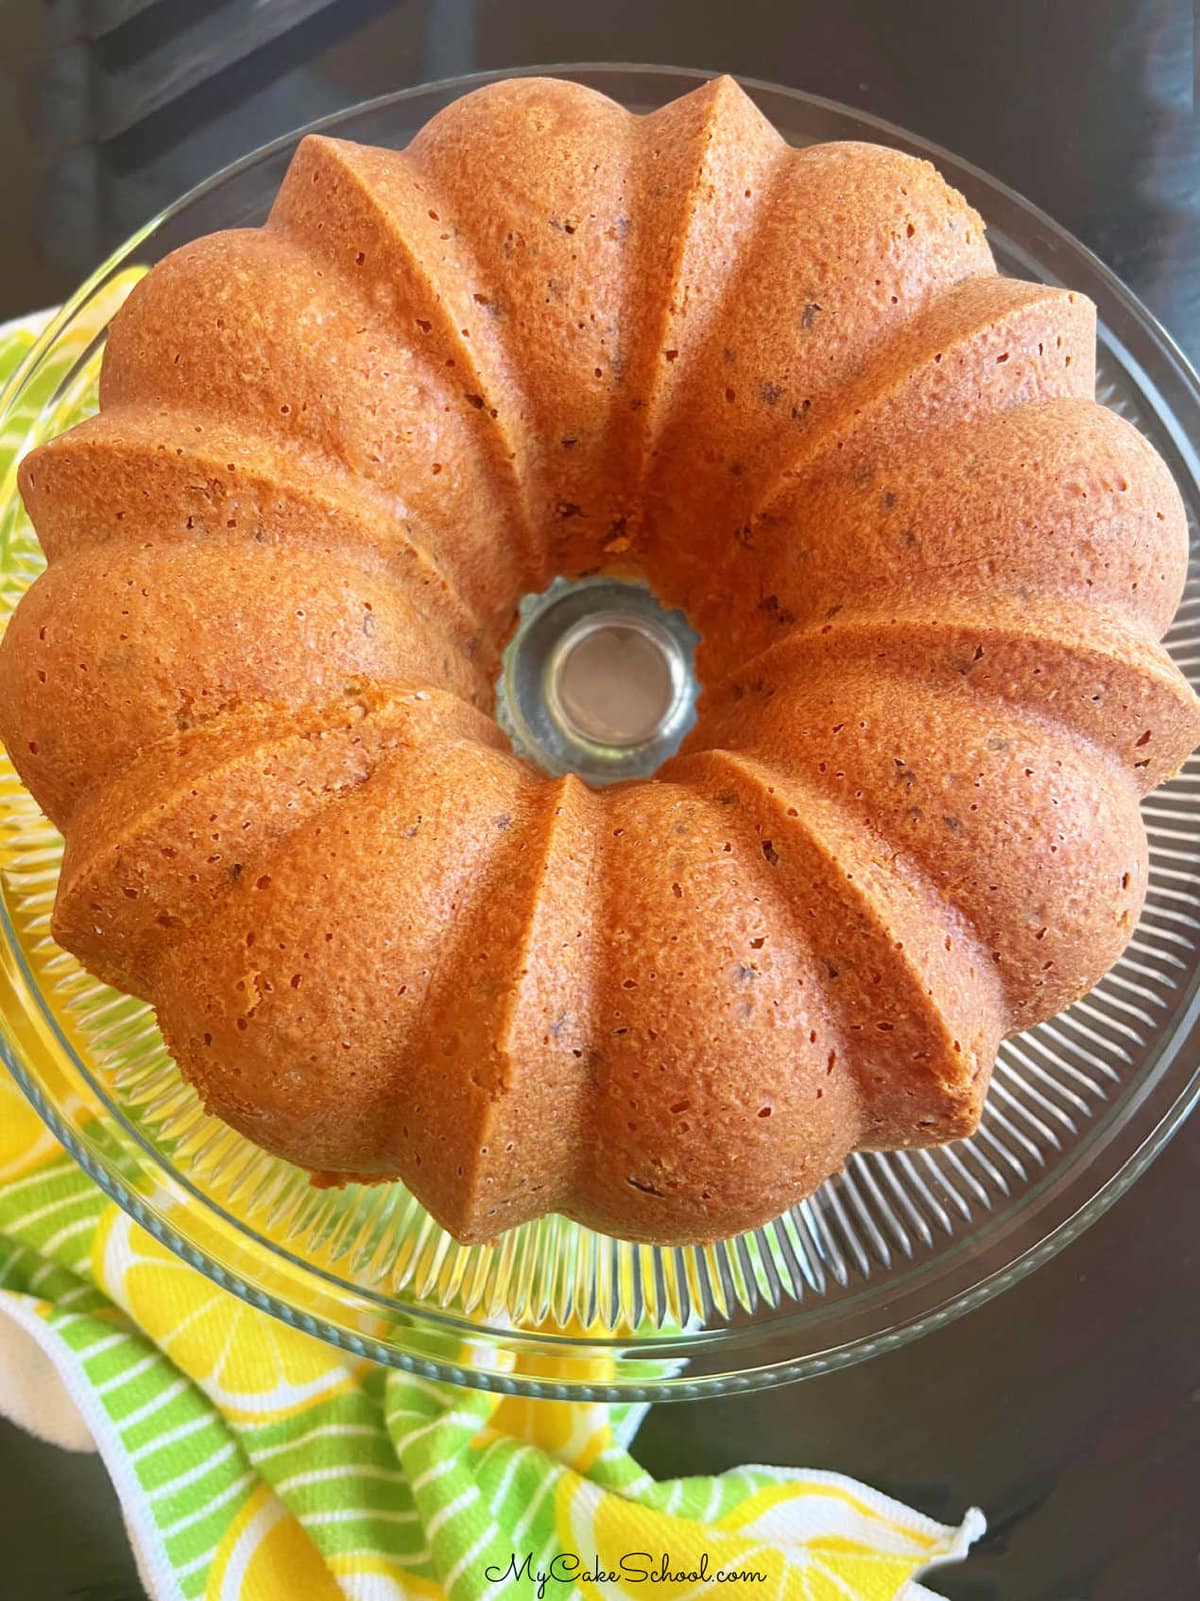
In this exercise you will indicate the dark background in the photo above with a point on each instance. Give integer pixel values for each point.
(1070, 1408)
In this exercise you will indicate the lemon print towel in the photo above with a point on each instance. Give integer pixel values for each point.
(254, 1463)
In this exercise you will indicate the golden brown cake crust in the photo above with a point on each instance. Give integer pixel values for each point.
(789, 388)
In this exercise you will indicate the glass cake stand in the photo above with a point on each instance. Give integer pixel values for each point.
(895, 1246)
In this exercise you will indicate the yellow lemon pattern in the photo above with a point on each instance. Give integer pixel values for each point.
(266, 1555)
(25, 1142)
(251, 1366)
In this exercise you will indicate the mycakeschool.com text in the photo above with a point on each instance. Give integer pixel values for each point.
(530, 1577)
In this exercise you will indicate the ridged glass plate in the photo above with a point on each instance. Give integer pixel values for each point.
(896, 1245)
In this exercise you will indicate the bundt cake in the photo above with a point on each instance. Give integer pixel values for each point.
(254, 685)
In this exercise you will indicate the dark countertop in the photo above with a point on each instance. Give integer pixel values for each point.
(1069, 1409)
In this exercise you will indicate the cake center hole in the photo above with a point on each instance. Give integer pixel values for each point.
(598, 679)
(611, 680)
